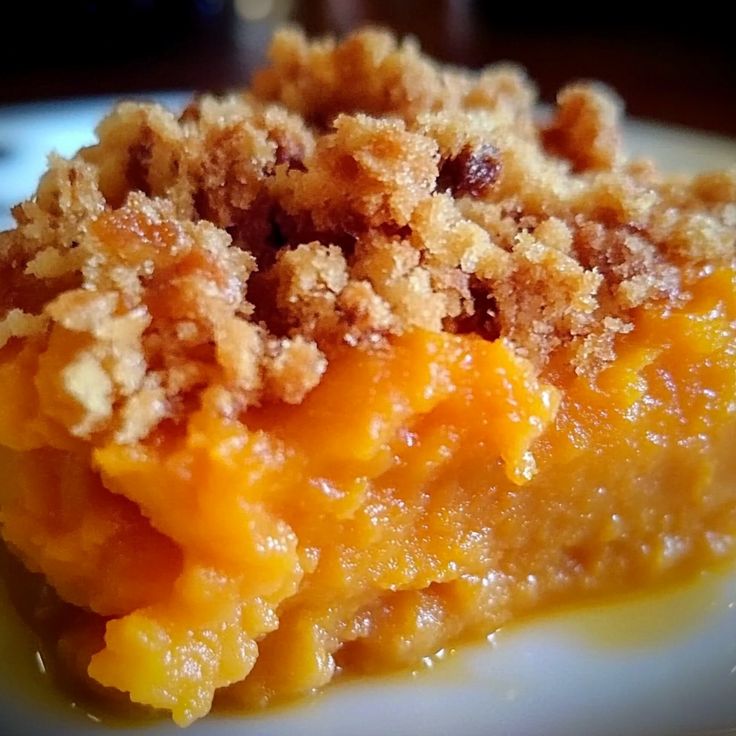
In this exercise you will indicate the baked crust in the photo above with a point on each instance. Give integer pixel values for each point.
(356, 191)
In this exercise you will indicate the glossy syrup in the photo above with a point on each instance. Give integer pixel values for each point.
(31, 620)
(32, 616)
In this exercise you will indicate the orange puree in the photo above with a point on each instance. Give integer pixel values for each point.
(388, 513)
(328, 375)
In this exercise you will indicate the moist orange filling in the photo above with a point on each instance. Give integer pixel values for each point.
(424, 493)
(326, 376)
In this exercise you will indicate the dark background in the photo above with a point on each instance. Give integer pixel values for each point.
(675, 66)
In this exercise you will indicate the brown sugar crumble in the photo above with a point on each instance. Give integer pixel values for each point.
(355, 191)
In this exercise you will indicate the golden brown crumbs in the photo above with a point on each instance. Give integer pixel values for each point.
(357, 190)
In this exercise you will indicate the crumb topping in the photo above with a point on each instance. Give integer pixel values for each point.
(356, 191)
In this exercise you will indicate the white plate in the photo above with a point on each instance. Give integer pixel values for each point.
(663, 664)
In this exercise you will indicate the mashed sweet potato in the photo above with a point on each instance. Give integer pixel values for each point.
(326, 375)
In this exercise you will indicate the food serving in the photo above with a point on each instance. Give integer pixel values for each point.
(325, 375)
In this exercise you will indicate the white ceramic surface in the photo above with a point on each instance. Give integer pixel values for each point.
(660, 665)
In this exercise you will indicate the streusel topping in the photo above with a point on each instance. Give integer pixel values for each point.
(355, 192)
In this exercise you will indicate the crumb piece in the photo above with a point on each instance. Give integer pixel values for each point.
(17, 323)
(87, 382)
(393, 269)
(632, 265)
(448, 239)
(367, 318)
(309, 279)
(598, 347)
(368, 172)
(293, 367)
(701, 238)
(239, 347)
(555, 233)
(585, 129)
(715, 187)
(548, 298)
(140, 149)
(141, 412)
